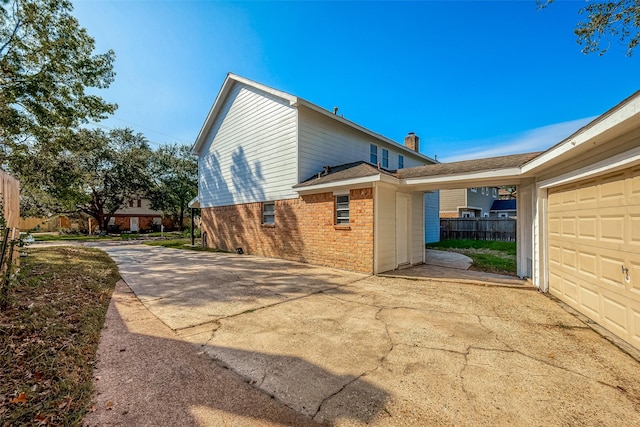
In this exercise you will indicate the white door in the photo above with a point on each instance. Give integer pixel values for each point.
(594, 250)
(402, 229)
(133, 224)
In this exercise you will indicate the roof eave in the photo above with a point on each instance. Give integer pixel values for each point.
(345, 183)
(615, 117)
(229, 81)
(465, 179)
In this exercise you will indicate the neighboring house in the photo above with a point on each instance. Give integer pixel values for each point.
(473, 202)
(503, 209)
(136, 216)
(262, 187)
(261, 150)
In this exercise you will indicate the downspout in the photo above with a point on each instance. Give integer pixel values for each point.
(375, 228)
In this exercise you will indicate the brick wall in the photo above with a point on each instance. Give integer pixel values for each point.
(304, 230)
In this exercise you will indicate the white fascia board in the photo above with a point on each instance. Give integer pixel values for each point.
(612, 164)
(597, 127)
(347, 183)
(222, 95)
(194, 203)
(356, 126)
(501, 174)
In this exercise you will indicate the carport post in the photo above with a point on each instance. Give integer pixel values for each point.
(193, 235)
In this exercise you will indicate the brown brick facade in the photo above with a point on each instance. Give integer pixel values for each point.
(304, 230)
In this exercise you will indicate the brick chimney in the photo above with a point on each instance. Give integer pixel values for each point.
(412, 141)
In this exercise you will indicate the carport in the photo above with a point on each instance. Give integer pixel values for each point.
(578, 214)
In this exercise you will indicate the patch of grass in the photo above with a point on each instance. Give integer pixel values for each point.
(182, 244)
(489, 256)
(507, 247)
(54, 237)
(49, 335)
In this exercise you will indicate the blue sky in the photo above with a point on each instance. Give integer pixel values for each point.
(471, 78)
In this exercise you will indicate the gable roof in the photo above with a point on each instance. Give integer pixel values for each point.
(348, 171)
(293, 101)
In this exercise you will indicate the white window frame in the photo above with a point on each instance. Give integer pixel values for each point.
(385, 158)
(482, 190)
(340, 209)
(373, 153)
(400, 161)
(474, 189)
(269, 213)
(494, 193)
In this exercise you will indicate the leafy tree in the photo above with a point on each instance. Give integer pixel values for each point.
(605, 20)
(174, 172)
(96, 176)
(46, 64)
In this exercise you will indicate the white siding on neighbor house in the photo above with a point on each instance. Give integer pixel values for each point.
(385, 228)
(326, 142)
(250, 153)
(432, 217)
(417, 228)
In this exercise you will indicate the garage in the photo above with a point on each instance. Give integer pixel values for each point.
(593, 237)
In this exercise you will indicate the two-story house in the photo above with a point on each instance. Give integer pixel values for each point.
(282, 177)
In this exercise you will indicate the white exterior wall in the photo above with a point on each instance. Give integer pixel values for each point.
(250, 153)
(432, 217)
(385, 228)
(326, 142)
(417, 228)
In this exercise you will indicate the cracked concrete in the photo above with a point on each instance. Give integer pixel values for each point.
(347, 349)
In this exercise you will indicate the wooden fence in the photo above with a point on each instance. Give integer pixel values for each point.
(478, 228)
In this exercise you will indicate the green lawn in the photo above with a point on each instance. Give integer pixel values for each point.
(490, 256)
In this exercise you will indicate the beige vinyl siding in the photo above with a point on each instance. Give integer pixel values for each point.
(250, 152)
(417, 228)
(593, 236)
(451, 200)
(385, 228)
(326, 142)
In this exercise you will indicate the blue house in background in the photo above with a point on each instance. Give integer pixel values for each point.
(503, 209)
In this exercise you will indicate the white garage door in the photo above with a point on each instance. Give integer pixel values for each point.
(594, 250)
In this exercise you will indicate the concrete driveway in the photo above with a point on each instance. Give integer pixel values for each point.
(348, 349)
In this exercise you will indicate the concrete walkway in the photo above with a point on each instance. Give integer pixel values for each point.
(451, 267)
(345, 349)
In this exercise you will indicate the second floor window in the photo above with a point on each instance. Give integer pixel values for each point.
(269, 213)
(373, 156)
(400, 161)
(385, 158)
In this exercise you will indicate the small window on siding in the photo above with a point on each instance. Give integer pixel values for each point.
(385, 158)
(400, 161)
(130, 203)
(474, 189)
(269, 213)
(373, 157)
(483, 191)
(494, 192)
(139, 203)
(342, 210)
